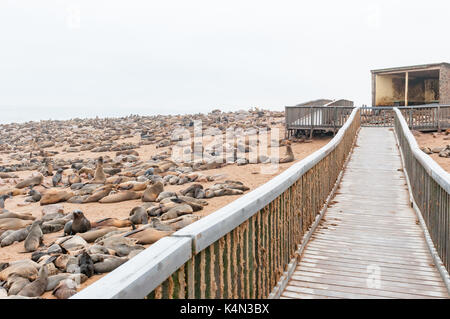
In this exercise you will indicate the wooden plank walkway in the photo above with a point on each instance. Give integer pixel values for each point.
(369, 244)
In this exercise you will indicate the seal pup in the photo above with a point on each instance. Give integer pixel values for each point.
(86, 264)
(34, 237)
(35, 196)
(99, 177)
(37, 287)
(56, 179)
(80, 223)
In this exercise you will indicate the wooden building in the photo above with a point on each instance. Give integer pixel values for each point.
(411, 85)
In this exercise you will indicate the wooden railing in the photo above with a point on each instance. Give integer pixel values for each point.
(421, 117)
(429, 185)
(243, 249)
(316, 117)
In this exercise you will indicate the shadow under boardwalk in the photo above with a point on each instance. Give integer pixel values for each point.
(369, 244)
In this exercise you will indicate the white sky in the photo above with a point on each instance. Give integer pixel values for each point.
(66, 58)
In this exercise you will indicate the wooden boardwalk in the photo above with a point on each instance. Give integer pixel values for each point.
(369, 244)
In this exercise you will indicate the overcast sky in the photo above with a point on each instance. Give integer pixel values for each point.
(82, 58)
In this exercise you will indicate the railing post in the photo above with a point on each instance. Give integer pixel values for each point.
(411, 125)
(312, 123)
(439, 118)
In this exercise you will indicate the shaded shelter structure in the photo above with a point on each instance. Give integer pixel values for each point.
(411, 85)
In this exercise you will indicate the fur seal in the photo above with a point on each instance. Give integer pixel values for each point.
(120, 197)
(24, 216)
(99, 194)
(80, 223)
(65, 289)
(16, 236)
(34, 237)
(99, 177)
(289, 155)
(73, 179)
(86, 264)
(91, 235)
(152, 192)
(3, 198)
(114, 222)
(15, 284)
(13, 223)
(55, 196)
(35, 196)
(138, 215)
(37, 287)
(148, 235)
(32, 181)
(56, 179)
(109, 264)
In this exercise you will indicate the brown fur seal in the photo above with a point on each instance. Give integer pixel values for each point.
(57, 178)
(65, 289)
(32, 181)
(152, 192)
(114, 222)
(289, 155)
(16, 236)
(37, 287)
(92, 235)
(120, 197)
(132, 185)
(13, 223)
(56, 196)
(99, 194)
(73, 179)
(3, 198)
(109, 264)
(99, 177)
(80, 223)
(86, 170)
(138, 215)
(86, 264)
(25, 216)
(34, 237)
(148, 235)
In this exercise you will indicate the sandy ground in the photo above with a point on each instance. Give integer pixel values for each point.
(251, 175)
(432, 140)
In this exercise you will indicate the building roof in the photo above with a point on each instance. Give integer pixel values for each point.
(412, 68)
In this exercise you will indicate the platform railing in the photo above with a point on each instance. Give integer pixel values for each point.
(419, 117)
(241, 250)
(430, 187)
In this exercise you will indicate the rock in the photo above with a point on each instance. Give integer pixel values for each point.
(74, 243)
(52, 209)
(437, 149)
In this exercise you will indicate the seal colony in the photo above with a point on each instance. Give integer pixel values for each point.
(79, 198)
